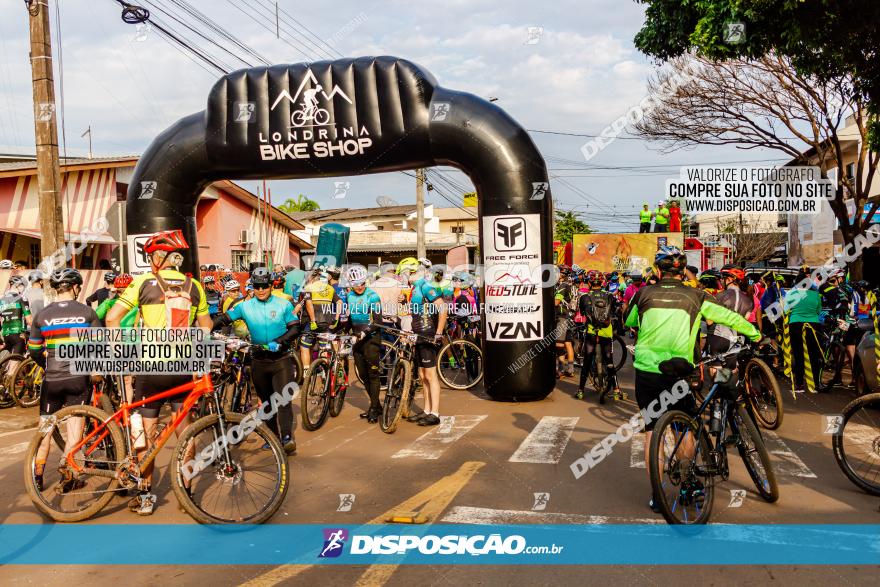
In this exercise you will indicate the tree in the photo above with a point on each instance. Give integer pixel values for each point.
(568, 224)
(762, 103)
(825, 39)
(752, 244)
(300, 204)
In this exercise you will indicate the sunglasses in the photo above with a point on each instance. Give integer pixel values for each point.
(262, 286)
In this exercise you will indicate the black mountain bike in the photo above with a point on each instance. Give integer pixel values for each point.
(856, 442)
(688, 452)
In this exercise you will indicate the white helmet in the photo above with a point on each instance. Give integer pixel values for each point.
(356, 275)
(232, 285)
(6, 264)
(425, 262)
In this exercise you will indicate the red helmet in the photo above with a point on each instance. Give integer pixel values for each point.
(122, 281)
(734, 272)
(595, 277)
(168, 240)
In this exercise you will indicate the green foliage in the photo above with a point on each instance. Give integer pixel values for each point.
(300, 204)
(569, 224)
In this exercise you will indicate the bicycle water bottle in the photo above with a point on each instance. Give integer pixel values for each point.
(715, 422)
(137, 431)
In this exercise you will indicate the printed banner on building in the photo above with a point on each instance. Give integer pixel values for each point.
(621, 251)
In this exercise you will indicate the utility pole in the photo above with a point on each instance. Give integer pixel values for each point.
(46, 131)
(88, 132)
(420, 213)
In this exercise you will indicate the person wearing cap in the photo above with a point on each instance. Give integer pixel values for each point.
(322, 308)
(102, 293)
(645, 217)
(661, 218)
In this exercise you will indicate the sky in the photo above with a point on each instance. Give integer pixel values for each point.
(557, 66)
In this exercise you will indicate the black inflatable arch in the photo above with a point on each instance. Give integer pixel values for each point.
(372, 115)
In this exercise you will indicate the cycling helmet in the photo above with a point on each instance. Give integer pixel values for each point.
(424, 262)
(734, 272)
(261, 277)
(109, 277)
(36, 275)
(6, 264)
(564, 270)
(122, 281)
(408, 264)
(862, 284)
(208, 279)
(595, 278)
(167, 240)
(67, 276)
(636, 276)
(670, 259)
(16, 280)
(232, 285)
(356, 275)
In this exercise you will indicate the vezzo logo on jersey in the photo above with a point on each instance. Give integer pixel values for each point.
(60, 321)
(514, 330)
(510, 234)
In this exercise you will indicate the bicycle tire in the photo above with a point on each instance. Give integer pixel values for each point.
(297, 367)
(32, 399)
(832, 365)
(103, 497)
(265, 435)
(601, 380)
(766, 484)
(624, 353)
(386, 358)
(337, 402)
(772, 394)
(870, 433)
(450, 347)
(7, 398)
(319, 397)
(395, 399)
(668, 510)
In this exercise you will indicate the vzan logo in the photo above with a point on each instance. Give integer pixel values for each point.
(311, 132)
(514, 330)
(510, 234)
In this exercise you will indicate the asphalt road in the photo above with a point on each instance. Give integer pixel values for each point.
(484, 464)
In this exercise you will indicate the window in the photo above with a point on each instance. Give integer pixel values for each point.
(458, 230)
(241, 260)
(850, 170)
(35, 254)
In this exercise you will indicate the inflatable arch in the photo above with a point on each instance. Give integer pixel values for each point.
(374, 115)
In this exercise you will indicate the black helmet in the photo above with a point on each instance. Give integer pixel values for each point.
(670, 259)
(67, 276)
(109, 277)
(261, 276)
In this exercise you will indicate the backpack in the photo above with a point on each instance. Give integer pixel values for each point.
(178, 302)
(600, 310)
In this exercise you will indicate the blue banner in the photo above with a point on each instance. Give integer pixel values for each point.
(440, 544)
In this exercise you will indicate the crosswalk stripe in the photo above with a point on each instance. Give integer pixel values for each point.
(434, 443)
(546, 442)
(637, 451)
(786, 462)
(14, 449)
(475, 515)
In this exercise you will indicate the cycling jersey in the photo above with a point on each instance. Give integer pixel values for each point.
(127, 321)
(362, 307)
(13, 311)
(239, 327)
(668, 317)
(421, 306)
(267, 320)
(146, 294)
(52, 326)
(324, 300)
(803, 305)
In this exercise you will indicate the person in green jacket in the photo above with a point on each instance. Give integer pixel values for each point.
(661, 218)
(119, 284)
(645, 216)
(667, 316)
(803, 307)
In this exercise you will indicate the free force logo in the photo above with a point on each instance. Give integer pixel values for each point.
(510, 234)
(334, 541)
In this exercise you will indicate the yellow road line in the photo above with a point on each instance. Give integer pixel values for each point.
(430, 502)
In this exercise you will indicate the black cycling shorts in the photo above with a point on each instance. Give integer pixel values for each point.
(649, 386)
(55, 395)
(426, 354)
(147, 385)
(308, 338)
(15, 343)
(853, 335)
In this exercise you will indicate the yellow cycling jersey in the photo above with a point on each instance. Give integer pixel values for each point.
(145, 294)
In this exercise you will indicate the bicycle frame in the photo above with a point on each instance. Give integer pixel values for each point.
(198, 388)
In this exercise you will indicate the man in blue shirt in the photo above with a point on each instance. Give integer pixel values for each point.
(363, 308)
(273, 326)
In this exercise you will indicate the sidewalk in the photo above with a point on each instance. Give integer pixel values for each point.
(15, 418)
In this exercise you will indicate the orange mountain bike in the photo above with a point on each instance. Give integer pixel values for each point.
(225, 469)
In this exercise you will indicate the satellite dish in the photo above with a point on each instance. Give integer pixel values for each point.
(386, 202)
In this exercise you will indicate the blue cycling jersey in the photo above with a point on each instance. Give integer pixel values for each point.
(362, 307)
(423, 296)
(267, 320)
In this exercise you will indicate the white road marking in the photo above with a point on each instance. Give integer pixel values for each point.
(346, 441)
(474, 515)
(547, 442)
(14, 449)
(637, 451)
(5, 434)
(786, 462)
(433, 443)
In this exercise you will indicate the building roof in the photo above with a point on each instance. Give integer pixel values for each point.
(354, 213)
(396, 248)
(29, 167)
(315, 214)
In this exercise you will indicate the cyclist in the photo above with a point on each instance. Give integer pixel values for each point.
(690, 276)
(428, 321)
(562, 300)
(668, 318)
(14, 316)
(804, 309)
(635, 285)
(272, 326)
(735, 298)
(165, 298)
(231, 298)
(101, 294)
(278, 287)
(364, 310)
(860, 308)
(34, 295)
(119, 285)
(597, 306)
(323, 308)
(51, 326)
(212, 295)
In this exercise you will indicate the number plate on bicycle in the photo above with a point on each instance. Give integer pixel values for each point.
(328, 336)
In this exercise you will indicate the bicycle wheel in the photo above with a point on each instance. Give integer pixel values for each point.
(460, 364)
(242, 483)
(395, 397)
(297, 367)
(65, 497)
(619, 352)
(27, 382)
(337, 402)
(601, 381)
(387, 355)
(6, 396)
(680, 479)
(856, 443)
(754, 455)
(763, 393)
(832, 366)
(314, 399)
